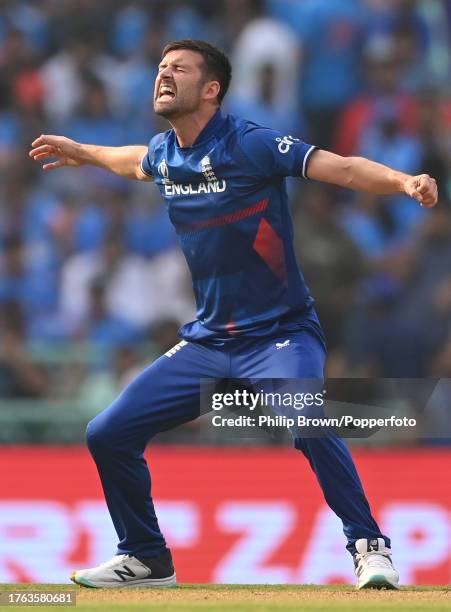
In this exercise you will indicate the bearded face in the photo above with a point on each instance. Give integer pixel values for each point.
(179, 84)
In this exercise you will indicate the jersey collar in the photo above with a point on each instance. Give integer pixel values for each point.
(209, 130)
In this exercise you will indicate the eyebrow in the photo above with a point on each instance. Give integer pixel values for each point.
(176, 64)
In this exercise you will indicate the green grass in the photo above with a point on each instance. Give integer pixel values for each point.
(247, 598)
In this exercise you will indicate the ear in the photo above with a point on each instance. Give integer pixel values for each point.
(211, 90)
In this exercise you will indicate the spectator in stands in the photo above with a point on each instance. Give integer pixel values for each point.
(265, 108)
(380, 343)
(19, 376)
(18, 280)
(434, 129)
(383, 74)
(386, 335)
(93, 117)
(429, 295)
(100, 326)
(130, 26)
(12, 277)
(170, 285)
(101, 387)
(127, 291)
(164, 335)
(63, 74)
(385, 142)
(331, 35)
(10, 129)
(266, 58)
(333, 262)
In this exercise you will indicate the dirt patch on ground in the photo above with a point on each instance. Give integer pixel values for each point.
(295, 595)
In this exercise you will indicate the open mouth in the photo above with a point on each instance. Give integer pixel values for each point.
(166, 92)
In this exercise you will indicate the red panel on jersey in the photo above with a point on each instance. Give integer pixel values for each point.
(270, 248)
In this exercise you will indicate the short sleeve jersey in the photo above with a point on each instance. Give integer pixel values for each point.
(226, 197)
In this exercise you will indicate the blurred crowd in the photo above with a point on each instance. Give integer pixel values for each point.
(86, 257)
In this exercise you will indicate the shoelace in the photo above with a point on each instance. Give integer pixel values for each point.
(375, 559)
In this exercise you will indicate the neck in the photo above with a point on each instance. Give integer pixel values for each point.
(188, 127)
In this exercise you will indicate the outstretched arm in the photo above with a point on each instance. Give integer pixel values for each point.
(362, 174)
(124, 161)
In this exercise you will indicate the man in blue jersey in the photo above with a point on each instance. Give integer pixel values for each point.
(223, 181)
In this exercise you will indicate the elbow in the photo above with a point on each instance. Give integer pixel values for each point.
(140, 175)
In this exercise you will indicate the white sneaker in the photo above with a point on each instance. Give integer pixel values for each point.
(125, 571)
(373, 565)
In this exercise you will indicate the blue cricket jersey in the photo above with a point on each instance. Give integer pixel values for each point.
(227, 199)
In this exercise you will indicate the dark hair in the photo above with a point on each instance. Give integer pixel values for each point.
(217, 65)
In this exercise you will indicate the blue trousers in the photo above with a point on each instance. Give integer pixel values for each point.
(166, 394)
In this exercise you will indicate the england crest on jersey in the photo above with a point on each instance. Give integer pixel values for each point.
(207, 170)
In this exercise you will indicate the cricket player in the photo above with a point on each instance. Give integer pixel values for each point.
(223, 181)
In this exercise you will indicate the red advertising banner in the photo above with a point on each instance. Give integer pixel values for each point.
(230, 515)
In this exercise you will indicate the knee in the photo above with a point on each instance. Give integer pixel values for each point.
(99, 435)
(111, 432)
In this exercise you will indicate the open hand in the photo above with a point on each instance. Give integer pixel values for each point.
(423, 189)
(67, 151)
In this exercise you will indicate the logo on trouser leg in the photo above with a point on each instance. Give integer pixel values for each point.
(176, 348)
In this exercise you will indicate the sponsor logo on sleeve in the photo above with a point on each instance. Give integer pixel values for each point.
(285, 143)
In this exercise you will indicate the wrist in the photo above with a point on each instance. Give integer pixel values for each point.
(400, 182)
(84, 153)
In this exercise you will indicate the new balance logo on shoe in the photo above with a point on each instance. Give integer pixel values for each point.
(373, 545)
(281, 345)
(125, 571)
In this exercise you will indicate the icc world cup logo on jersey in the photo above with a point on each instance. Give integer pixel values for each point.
(163, 170)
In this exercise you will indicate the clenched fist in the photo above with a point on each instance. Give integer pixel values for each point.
(423, 189)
